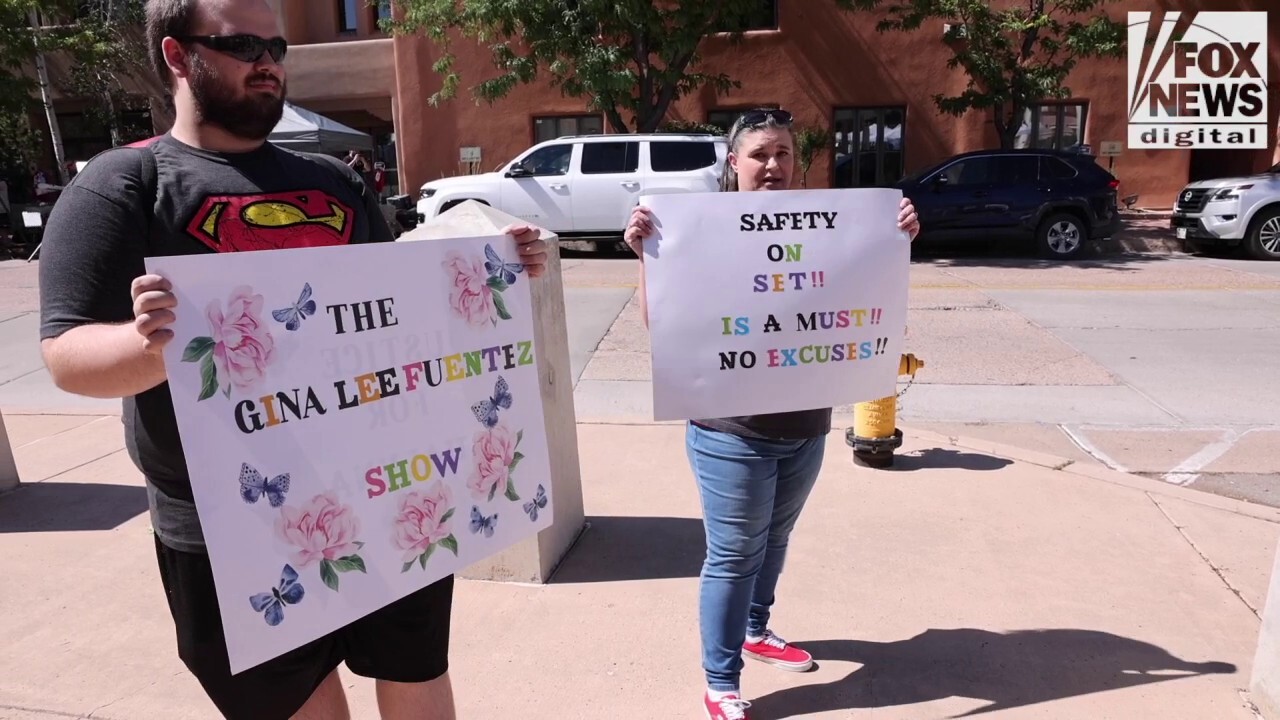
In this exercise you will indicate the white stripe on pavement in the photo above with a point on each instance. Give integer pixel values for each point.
(1188, 471)
(1093, 450)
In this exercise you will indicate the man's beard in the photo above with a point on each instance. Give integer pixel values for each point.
(251, 116)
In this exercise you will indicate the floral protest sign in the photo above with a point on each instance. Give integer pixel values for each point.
(766, 302)
(358, 422)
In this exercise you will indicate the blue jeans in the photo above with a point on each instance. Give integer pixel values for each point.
(752, 492)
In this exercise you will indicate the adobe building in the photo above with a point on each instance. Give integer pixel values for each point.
(830, 68)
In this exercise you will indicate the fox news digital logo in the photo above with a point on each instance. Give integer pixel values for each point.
(1198, 82)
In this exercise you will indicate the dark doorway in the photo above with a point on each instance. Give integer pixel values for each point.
(869, 146)
(1207, 164)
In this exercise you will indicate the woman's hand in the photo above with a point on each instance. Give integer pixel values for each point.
(907, 218)
(531, 246)
(638, 228)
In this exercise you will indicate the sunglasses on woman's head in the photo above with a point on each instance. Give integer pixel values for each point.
(759, 117)
(245, 48)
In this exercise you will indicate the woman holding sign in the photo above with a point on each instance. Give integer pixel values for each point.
(754, 473)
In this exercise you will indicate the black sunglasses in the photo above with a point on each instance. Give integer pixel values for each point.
(245, 48)
(761, 116)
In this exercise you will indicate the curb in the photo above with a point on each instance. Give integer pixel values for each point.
(1133, 482)
(1067, 466)
(81, 411)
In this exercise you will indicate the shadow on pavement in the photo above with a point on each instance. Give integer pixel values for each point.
(616, 549)
(1007, 670)
(999, 256)
(948, 459)
(69, 507)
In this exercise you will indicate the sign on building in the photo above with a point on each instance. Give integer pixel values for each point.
(1198, 80)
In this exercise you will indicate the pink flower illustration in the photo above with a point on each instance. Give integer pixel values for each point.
(422, 522)
(322, 529)
(242, 346)
(469, 293)
(495, 453)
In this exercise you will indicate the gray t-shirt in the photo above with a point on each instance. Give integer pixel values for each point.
(798, 425)
(115, 213)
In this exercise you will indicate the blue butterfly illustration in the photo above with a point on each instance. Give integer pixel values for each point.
(293, 315)
(254, 485)
(496, 267)
(271, 604)
(480, 523)
(538, 502)
(486, 411)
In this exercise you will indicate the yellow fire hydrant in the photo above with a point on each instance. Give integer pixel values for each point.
(874, 435)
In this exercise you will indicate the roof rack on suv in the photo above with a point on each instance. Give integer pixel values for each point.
(635, 135)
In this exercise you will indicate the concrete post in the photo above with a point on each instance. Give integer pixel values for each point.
(1265, 684)
(536, 558)
(8, 468)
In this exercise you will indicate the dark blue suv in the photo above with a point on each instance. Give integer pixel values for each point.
(1058, 200)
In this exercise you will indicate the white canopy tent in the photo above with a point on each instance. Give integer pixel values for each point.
(301, 129)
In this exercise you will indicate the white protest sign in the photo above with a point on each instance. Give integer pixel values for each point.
(359, 422)
(774, 301)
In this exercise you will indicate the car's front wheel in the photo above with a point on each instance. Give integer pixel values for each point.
(1061, 236)
(1263, 239)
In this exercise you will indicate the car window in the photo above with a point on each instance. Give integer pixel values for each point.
(1051, 168)
(971, 171)
(681, 156)
(1015, 170)
(599, 158)
(551, 160)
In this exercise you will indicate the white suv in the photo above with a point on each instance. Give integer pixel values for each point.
(1231, 211)
(585, 187)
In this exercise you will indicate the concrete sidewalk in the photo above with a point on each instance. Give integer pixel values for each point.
(972, 579)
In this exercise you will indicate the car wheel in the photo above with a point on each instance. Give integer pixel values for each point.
(1061, 236)
(1264, 235)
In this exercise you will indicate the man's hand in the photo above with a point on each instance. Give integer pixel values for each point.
(153, 303)
(532, 249)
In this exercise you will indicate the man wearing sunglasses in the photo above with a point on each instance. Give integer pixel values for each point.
(213, 184)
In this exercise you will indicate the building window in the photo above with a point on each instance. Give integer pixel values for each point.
(347, 15)
(1059, 126)
(84, 135)
(763, 17)
(550, 128)
(724, 119)
(869, 146)
(383, 10)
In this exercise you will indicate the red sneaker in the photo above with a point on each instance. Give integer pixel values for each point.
(775, 651)
(730, 707)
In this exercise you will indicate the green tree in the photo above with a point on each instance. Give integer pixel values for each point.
(629, 59)
(100, 39)
(122, 55)
(809, 142)
(1015, 57)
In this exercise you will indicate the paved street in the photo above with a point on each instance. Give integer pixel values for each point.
(1159, 364)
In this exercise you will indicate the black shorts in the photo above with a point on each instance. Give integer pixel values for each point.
(406, 641)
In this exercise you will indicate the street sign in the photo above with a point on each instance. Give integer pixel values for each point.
(1111, 148)
(470, 154)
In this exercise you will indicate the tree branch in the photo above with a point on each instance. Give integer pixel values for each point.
(670, 84)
